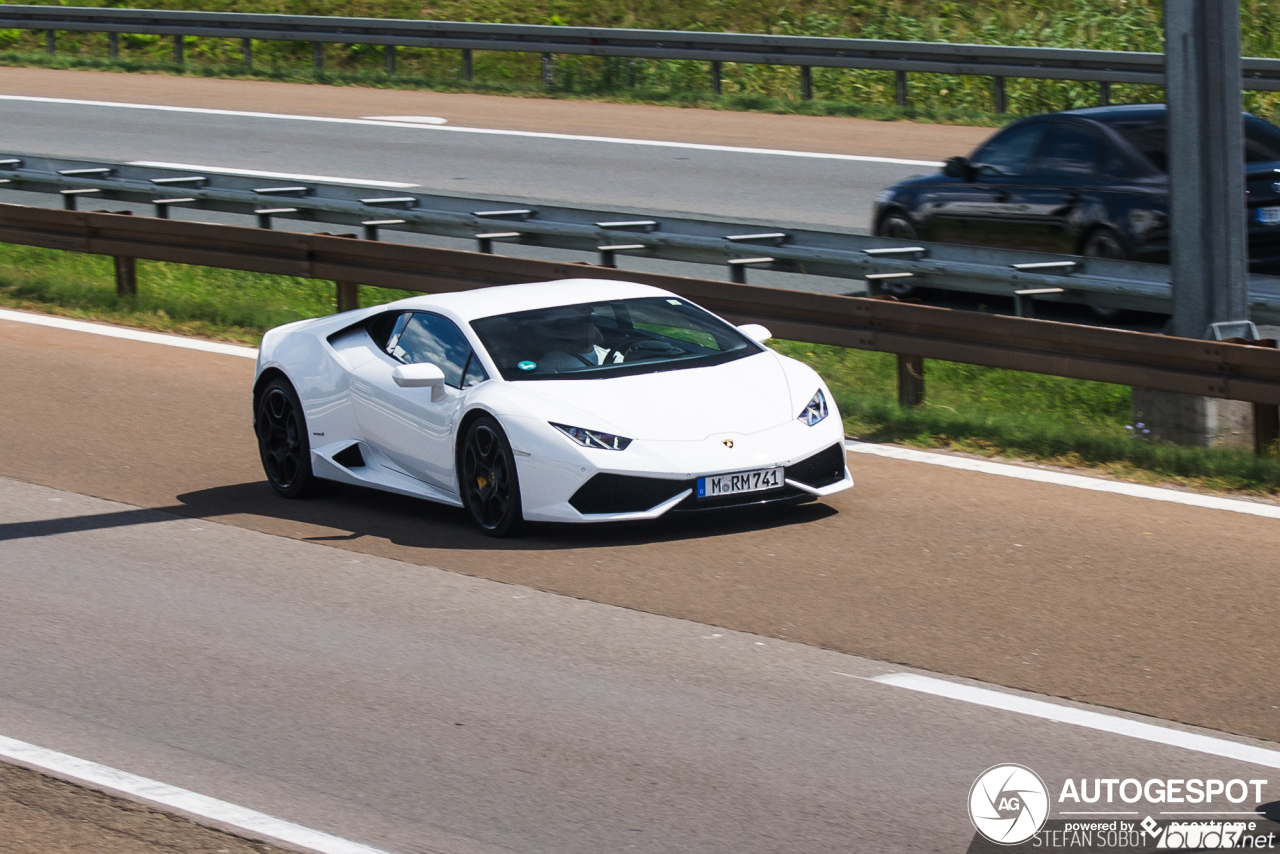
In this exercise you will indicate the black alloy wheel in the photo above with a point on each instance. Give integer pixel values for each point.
(896, 225)
(1105, 244)
(487, 479)
(282, 440)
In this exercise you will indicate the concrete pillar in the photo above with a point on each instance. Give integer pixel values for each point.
(1201, 422)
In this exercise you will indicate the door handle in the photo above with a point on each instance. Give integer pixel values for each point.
(1071, 198)
(1002, 195)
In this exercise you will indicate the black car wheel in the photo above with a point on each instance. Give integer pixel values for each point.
(896, 225)
(282, 440)
(1104, 243)
(487, 479)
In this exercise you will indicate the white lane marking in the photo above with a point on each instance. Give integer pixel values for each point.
(1082, 718)
(201, 808)
(284, 176)
(1153, 493)
(128, 334)
(421, 120)
(777, 152)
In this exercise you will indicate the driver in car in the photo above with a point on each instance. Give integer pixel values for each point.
(580, 345)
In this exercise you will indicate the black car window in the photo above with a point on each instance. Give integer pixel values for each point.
(1010, 152)
(1148, 137)
(431, 338)
(1261, 141)
(1116, 164)
(1072, 152)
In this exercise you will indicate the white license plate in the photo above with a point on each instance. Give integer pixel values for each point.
(757, 480)
(1269, 216)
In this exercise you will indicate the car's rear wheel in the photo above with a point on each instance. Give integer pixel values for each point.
(281, 426)
(1104, 243)
(487, 478)
(896, 225)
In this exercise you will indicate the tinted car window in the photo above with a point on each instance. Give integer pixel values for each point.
(1010, 152)
(1072, 152)
(474, 374)
(1261, 141)
(431, 338)
(1116, 164)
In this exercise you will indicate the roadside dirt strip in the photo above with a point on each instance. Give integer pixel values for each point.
(1156, 608)
(40, 815)
(829, 135)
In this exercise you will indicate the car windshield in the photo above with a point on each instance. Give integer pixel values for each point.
(1150, 136)
(609, 338)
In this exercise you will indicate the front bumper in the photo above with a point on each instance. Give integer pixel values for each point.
(561, 483)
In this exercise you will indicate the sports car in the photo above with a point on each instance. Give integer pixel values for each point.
(572, 401)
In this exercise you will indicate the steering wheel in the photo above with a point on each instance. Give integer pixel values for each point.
(661, 346)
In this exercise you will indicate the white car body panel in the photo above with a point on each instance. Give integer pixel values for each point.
(684, 423)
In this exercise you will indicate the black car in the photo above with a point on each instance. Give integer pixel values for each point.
(1082, 182)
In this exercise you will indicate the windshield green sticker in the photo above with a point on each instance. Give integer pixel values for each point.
(527, 365)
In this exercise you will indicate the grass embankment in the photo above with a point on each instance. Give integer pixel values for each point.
(979, 410)
(1099, 24)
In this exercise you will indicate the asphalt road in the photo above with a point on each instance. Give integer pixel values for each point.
(424, 711)
(640, 178)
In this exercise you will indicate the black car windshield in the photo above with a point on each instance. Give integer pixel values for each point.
(1150, 136)
(609, 338)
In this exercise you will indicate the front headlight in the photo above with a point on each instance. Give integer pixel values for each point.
(884, 195)
(815, 410)
(596, 439)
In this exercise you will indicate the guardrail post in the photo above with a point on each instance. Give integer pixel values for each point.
(179, 49)
(1266, 427)
(997, 90)
(910, 381)
(348, 296)
(317, 56)
(548, 71)
(50, 42)
(126, 276)
(466, 63)
(806, 83)
(1104, 94)
(246, 51)
(900, 88)
(113, 45)
(716, 70)
(389, 53)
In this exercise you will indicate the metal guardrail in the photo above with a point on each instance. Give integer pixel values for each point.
(1207, 368)
(610, 235)
(997, 61)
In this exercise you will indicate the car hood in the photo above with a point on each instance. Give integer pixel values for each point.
(740, 397)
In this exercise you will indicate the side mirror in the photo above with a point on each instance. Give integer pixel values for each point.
(755, 332)
(421, 375)
(958, 167)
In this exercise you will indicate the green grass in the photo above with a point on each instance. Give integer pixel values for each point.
(1101, 24)
(972, 409)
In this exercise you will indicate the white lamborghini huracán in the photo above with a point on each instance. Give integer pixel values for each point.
(571, 401)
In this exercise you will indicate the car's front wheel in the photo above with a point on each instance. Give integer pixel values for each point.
(896, 225)
(487, 478)
(282, 440)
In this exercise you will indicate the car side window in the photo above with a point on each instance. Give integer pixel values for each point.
(1072, 153)
(1116, 164)
(1010, 152)
(474, 374)
(431, 338)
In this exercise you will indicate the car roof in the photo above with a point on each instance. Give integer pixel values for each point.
(505, 299)
(1121, 113)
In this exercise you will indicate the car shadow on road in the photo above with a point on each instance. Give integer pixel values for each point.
(415, 523)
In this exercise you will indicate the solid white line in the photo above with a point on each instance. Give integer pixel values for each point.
(284, 176)
(128, 334)
(1153, 493)
(202, 809)
(1083, 718)
(730, 149)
